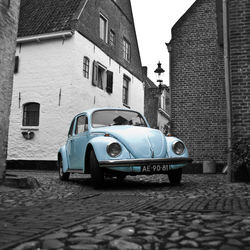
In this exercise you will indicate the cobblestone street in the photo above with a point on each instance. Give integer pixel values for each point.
(144, 212)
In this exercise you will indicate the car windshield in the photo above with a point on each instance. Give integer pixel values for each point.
(103, 118)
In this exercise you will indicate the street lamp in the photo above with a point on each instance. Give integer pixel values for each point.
(159, 74)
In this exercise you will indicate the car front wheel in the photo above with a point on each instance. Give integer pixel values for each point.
(62, 176)
(174, 176)
(97, 173)
(121, 177)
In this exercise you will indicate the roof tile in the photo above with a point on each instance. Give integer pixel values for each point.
(46, 16)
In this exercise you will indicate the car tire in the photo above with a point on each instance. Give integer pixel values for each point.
(62, 176)
(121, 177)
(174, 176)
(97, 173)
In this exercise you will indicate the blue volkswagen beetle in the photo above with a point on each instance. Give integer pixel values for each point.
(119, 142)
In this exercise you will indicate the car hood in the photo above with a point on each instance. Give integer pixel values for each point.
(141, 142)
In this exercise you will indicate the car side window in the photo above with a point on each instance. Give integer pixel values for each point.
(71, 128)
(81, 124)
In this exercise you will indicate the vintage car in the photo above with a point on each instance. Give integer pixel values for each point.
(119, 142)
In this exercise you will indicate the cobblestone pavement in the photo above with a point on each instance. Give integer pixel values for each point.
(144, 212)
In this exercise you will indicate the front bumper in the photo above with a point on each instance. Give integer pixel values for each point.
(145, 161)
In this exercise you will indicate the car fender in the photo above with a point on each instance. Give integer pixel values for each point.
(170, 140)
(62, 152)
(100, 144)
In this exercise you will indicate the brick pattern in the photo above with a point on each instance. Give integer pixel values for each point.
(120, 20)
(197, 83)
(8, 32)
(151, 104)
(239, 33)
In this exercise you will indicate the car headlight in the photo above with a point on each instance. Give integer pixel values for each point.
(114, 149)
(178, 147)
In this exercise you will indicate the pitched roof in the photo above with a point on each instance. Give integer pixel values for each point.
(46, 16)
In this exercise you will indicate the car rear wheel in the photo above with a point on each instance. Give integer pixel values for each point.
(174, 176)
(97, 173)
(62, 176)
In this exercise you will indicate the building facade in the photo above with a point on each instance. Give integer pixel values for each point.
(157, 104)
(239, 54)
(9, 12)
(197, 83)
(70, 61)
(210, 56)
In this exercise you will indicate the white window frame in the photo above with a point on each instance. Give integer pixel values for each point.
(103, 29)
(86, 65)
(125, 90)
(112, 38)
(126, 49)
(99, 75)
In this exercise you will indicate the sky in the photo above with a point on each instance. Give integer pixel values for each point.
(153, 22)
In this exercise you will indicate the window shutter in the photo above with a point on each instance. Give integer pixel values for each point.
(109, 82)
(16, 64)
(95, 75)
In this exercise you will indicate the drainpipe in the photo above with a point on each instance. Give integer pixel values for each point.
(230, 175)
(169, 47)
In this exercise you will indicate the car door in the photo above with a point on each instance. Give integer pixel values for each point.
(78, 142)
(69, 142)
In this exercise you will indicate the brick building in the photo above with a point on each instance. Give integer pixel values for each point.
(200, 104)
(9, 12)
(239, 54)
(197, 83)
(156, 104)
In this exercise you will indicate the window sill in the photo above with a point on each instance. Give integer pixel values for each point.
(30, 128)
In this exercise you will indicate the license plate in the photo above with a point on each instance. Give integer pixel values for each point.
(157, 168)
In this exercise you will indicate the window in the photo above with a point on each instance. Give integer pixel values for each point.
(114, 117)
(86, 67)
(109, 82)
(81, 124)
(126, 49)
(71, 128)
(16, 64)
(103, 28)
(112, 38)
(125, 91)
(99, 75)
(31, 114)
(163, 102)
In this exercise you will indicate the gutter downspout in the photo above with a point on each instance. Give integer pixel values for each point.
(230, 176)
(169, 47)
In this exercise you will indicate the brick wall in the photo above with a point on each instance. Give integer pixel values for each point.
(151, 105)
(120, 20)
(239, 35)
(197, 83)
(9, 11)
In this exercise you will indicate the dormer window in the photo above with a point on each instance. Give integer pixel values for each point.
(112, 38)
(103, 28)
(126, 49)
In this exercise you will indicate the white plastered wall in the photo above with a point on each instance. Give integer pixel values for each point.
(50, 73)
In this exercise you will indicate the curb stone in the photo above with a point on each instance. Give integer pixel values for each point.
(24, 182)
